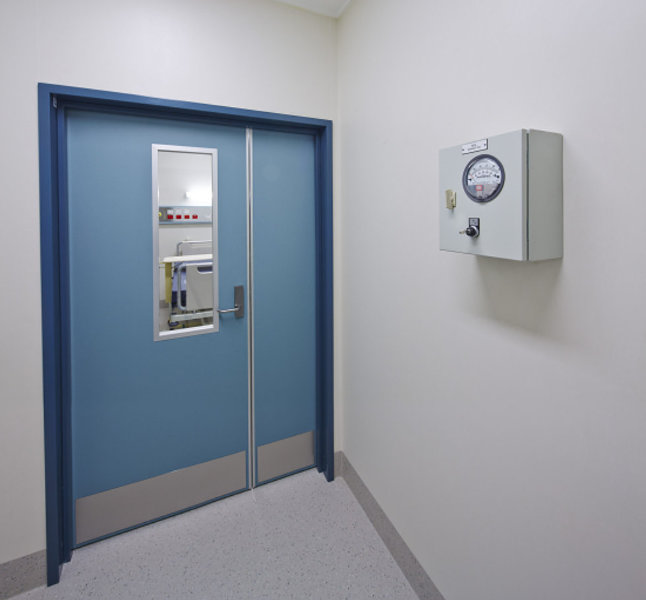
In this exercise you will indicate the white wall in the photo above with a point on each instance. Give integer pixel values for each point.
(497, 410)
(244, 53)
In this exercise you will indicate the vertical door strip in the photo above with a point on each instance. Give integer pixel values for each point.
(250, 314)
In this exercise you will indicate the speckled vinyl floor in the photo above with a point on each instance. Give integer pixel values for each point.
(299, 537)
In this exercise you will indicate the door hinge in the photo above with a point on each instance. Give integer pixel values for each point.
(54, 101)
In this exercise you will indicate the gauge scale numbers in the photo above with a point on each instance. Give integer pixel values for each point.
(483, 178)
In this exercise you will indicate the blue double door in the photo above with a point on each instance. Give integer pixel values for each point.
(162, 425)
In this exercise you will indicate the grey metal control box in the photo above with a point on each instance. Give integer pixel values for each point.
(503, 196)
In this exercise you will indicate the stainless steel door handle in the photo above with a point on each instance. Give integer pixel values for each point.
(238, 303)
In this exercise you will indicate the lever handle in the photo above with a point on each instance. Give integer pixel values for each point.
(238, 303)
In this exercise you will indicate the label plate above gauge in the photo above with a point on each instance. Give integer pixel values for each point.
(478, 146)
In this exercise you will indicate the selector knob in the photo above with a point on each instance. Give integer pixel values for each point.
(473, 230)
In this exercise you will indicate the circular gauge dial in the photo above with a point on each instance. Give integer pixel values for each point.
(483, 178)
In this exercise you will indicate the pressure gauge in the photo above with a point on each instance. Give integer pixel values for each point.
(483, 178)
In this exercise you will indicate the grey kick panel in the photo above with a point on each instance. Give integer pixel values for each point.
(285, 456)
(129, 505)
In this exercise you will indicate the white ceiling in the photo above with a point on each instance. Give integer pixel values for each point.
(329, 8)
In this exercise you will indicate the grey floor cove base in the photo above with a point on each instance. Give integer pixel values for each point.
(414, 572)
(285, 456)
(129, 505)
(22, 574)
(299, 537)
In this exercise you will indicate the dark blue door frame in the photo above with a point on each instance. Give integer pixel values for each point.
(53, 100)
